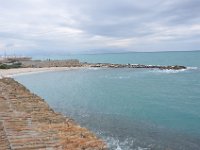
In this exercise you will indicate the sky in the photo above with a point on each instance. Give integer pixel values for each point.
(98, 26)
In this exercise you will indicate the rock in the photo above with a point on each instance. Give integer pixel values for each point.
(103, 65)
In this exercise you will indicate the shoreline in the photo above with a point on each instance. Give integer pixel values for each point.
(24, 71)
(30, 70)
(29, 63)
(28, 122)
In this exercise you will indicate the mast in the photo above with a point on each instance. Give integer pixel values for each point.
(5, 53)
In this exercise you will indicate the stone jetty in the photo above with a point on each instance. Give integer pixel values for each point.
(108, 65)
(27, 122)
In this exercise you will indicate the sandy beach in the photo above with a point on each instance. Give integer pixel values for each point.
(22, 71)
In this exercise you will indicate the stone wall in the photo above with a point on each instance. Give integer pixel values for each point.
(27, 122)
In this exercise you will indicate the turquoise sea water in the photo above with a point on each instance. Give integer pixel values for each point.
(130, 108)
(155, 58)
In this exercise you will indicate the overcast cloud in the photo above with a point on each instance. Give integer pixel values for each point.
(90, 26)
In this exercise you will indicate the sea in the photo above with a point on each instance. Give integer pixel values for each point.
(130, 109)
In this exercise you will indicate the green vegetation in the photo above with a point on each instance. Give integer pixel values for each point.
(9, 66)
(3, 66)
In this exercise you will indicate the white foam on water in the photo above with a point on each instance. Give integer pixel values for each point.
(94, 68)
(192, 68)
(118, 147)
(169, 71)
(116, 144)
(172, 71)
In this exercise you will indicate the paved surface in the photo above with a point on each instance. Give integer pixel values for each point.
(27, 122)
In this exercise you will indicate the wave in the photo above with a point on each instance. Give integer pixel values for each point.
(93, 68)
(171, 71)
(115, 144)
(192, 68)
(174, 71)
(127, 144)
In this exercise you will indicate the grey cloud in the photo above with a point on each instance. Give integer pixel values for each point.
(114, 18)
(72, 25)
(127, 18)
(181, 12)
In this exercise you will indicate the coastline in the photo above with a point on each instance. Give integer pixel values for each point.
(22, 71)
(27, 122)
(28, 69)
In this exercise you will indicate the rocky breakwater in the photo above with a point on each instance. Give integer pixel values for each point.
(27, 122)
(107, 65)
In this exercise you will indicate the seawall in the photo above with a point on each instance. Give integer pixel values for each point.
(27, 122)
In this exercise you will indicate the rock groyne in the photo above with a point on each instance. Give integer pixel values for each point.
(27, 122)
(108, 65)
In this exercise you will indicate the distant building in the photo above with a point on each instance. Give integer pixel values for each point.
(8, 59)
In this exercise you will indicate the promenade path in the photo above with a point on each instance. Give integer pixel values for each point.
(27, 123)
